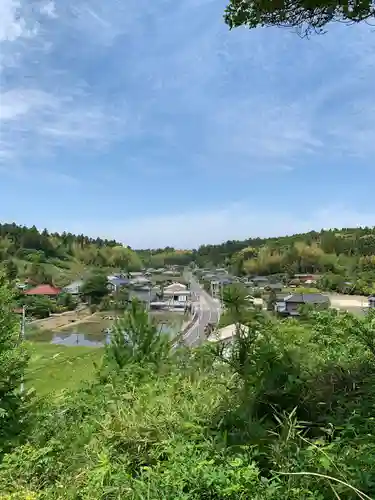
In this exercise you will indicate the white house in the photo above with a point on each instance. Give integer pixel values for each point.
(177, 294)
(74, 288)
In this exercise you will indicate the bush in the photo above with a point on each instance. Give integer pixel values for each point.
(287, 405)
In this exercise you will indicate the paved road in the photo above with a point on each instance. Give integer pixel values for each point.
(209, 312)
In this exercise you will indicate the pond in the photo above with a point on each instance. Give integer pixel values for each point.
(97, 339)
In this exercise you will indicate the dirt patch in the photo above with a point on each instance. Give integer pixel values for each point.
(57, 321)
(348, 301)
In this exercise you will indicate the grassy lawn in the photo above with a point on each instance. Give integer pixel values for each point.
(54, 368)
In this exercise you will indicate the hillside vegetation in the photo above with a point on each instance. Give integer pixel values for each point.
(287, 413)
(345, 258)
(58, 258)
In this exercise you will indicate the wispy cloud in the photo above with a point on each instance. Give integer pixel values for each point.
(241, 220)
(164, 87)
(49, 9)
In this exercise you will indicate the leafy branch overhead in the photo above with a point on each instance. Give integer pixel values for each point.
(306, 16)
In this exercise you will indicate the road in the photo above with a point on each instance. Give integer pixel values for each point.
(209, 312)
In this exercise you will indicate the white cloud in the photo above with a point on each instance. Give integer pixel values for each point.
(236, 221)
(11, 25)
(49, 9)
(42, 121)
(193, 95)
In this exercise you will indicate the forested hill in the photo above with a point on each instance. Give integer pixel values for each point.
(47, 257)
(346, 241)
(347, 251)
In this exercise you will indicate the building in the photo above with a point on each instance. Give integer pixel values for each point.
(371, 301)
(140, 281)
(135, 274)
(305, 277)
(145, 294)
(176, 295)
(114, 284)
(74, 288)
(276, 287)
(44, 290)
(259, 281)
(219, 283)
(294, 301)
(224, 334)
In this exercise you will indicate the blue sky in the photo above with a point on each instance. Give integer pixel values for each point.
(152, 123)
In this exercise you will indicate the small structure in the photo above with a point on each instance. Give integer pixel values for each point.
(170, 272)
(260, 280)
(115, 283)
(225, 334)
(74, 288)
(219, 283)
(44, 290)
(135, 274)
(294, 301)
(175, 287)
(145, 295)
(304, 278)
(371, 301)
(276, 287)
(222, 270)
(140, 281)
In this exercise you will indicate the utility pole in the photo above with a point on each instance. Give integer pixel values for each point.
(22, 338)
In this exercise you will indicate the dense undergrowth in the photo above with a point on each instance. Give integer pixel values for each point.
(287, 413)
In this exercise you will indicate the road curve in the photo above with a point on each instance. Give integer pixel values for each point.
(208, 312)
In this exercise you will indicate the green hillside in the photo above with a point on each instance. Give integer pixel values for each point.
(58, 258)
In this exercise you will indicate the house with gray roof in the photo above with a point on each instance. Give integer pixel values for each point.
(114, 284)
(140, 281)
(294, 301)
(260, 281)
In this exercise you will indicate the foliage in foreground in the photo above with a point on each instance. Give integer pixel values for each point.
(13, 359)
(287, 401)
(305, 15)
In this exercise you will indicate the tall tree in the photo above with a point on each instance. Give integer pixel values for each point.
(136, 338)
(306, 16)
(95, 288)
(11, 269)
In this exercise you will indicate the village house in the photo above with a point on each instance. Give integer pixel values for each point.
(73, 288)
(177, 295)
(115, 283)
(292, 303)
(218, 284)
(276, 287)
(140, 281)
(259, 281)
(44, 290)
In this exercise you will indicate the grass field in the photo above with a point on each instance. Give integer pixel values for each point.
(54, 368)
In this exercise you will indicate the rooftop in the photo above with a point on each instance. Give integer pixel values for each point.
(307, 298)
(43, 290)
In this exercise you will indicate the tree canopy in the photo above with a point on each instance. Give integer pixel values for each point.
(306, 16)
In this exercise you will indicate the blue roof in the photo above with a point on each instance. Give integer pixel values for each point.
(119, 281)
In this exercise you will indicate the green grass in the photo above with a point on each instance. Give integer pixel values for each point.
(54, 368)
